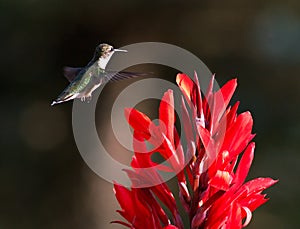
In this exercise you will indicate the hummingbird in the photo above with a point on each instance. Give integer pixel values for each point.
(83, 81)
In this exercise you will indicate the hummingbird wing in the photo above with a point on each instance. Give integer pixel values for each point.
(70, 73)
(113, 76)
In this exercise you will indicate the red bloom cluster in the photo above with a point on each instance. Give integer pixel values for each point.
(211, 180)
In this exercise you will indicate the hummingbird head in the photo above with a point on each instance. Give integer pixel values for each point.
(104, 52)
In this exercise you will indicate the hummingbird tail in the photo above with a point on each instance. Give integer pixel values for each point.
(64, 99)
(54, 102)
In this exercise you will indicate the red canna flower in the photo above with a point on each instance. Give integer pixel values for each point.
(211, 167)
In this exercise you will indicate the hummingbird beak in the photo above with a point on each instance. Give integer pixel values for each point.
(120, 50)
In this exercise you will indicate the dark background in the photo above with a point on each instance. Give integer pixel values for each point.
(44, 181)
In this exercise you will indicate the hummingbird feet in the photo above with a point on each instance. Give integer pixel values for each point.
(87, 98)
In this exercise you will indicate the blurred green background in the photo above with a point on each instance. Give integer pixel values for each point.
(44, 181)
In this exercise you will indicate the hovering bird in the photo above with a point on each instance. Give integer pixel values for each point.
(83, 81)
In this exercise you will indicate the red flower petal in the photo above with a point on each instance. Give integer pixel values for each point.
(234, 220)
(186, 85)
(244, 165)
(166, 114)
(208, 142)
(188, 125)
(139, 122)
(248, 214)
(221, 101)
(239, 134)
(259, 184)
(231, 114)
(199, 97)
(253, 201)
(125, 200)
(208, 99)
(221, 180)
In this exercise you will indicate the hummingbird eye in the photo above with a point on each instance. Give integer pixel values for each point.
(111, 49)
